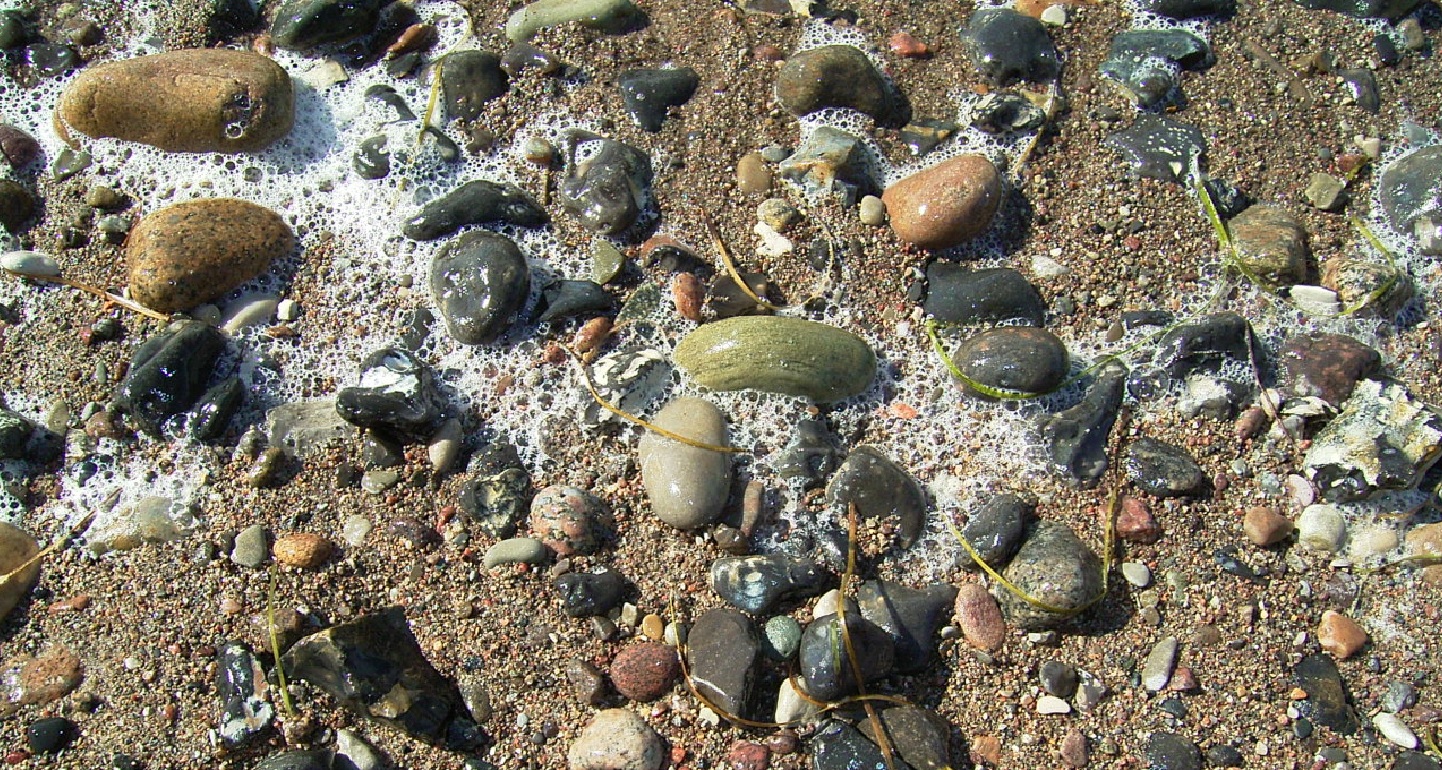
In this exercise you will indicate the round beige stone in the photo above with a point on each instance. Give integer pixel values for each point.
(306, 550)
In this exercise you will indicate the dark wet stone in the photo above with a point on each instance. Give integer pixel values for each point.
(1412, 760)
(756, 583)
(956, 294)
(245, 708)
(839, 76)
(303, 25)
(830, 161)
(51, 59)
(371, 161)
(1007, 46)
(1222, 755)
(213, 412)
(1055, 567)
(1387, 52)
(12, 29)
(1189, 9)
(479, 283)
(839, 746)
(1160, 148)
(523, 56)
(1205, 346)
(825, 668)
(562, 299)
(50, 735)
(1058, 678)
(374, 667)
(919, 737)
(497, 500)
(381, 451)
(811, 455)
(15, 432)
(879, 489)
(227, 18)
(417, 328)
(1362, 85)
(1385, 9)
(606, 182)
(1001, 112)
(647, 94)
(388, 96)
(168, 372)
(1168, 751)
(1143, 62)
(584, 594)
(469, 79)
(1076, 438)
(1019, 359)
(69, 163)
(996, 530)
(17, 205)
(1411, 187)
(910, 616)
(1327, 702)
(1228, 558)
(725, 299)
(475, 202)
(403, 66)
(923, 136)
(449, 151)
(722, 650)
(17, 147)
(1227, 198)
(1326, 366)
(396, 394)
(296, 759)
(1165, 470)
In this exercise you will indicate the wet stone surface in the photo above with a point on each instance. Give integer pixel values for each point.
(1165, 470)
(1006, 46)
(1159, 148)
(649, 94)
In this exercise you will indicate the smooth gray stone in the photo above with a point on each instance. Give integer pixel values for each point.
(839, 746)
(303, 25)
(996, 530)
(910, 616)
(1411, 187)
(1055, 567)
(1006, 46)
(517, 550)
(1165, 470)
(1327, 702)
(1168, 751)
(920, 737)
(756, 583)
(825, 668)
(302, 428)
(476, 202)
(959, 295)
(722, 650)
(879, 489)
(479, 283)
(686, 485)
(469, 79)
(1076, 438)
(607, 190)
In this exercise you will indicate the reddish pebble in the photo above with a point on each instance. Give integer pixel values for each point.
(1074, 750)
(678, 755)
(904, 45)
(1135, 523)
(561, 517)
(591, 334)
(783, 742)
(767, 52)
(305, 550)
(1264, 526)
(946, 204)
(16, 757)
(73, 604)
(645, 671)
(1252, 422)
(979, 617)
(986, 750)
(746, 755)
(1183, 680)
(1340, 635)
(688, 294)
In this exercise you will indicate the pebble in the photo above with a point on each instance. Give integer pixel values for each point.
(1059, 679)
(958, 295)
(1157, 669)
(50, 735)
(838, 76)
(1013, 359)
(397, 394)
(306, 550)
(607, 261)
(16, 548)
(1327, 702)
(295, 759)
(1370, 541)
(1362, 87)
(1399, 697)
(586, 681)
(1137, 574)
(1411, 188)
(43, 679)
(251, 546)
(871, 211)
(1271, 244)
(830, 162)
(516, 550)
(1384, 439)
(1265, 527)
(910, 616)
(479, 283)
(1325, 192)
(1006, 46)
(687, 486)
(946, 204)
(722, 650)
(304, 25)
(839, 746)
(242, 687)
(564, 518)
(30, 263)
(825, 667)
(756, 583)
(70, 162)
(1055, 567)
(1144, 63)
(479, 201)
(995, 531)
(204, 100)
(1074, 753)
(1076, 437)
(979, 617)
(919, 737)
(778, 354)
(149, 520)
(18, 148)
(777, 214)
(753, 176)
(17, 205)
(1367, 288)
(1159, 148)
(644, 671)
(1393, 729)
(605, 192)
(469, 79)
(1222, 755)
(1340, 635)
(303, 428)
(649, 94)
(605, 15)
(168, 372)
(1326, 366)
(353, 753)
(584, 594)
(1168, 751)
(197, 251)
(1050, 704)
(782, 636)
(1165, 470)
(880, 489)
(745, 755)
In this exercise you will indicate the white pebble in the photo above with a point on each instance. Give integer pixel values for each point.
(1315, 300)
(871, 211)
(1371, 540)
(444, 446)
(1054, 15)
(1322, 528)
(1046, 267)
(1137, 574)
(287, 310)
(355, 529)
(773, 244)
(1394, 730)
(249, 310)
(1050, 704)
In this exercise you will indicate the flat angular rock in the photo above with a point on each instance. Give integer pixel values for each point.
(879, 489)
(649, 94)
(303, 25)
(246, 709)
(1383, 440)
(302, 428)
(586, 594)
(1165, 470)
(1327, 702)
(479, 282)
(722, 650)
(839, 746)
(830, 161)
(16, 548)
(396, 394)
(1055, 567)
(910, 616)
(211, 100)
(1411, 187)
(168, 373)
(1169, 751)
(1270, 244)
(1326, 366)
(476, 202)
(959, 295)
(1160, 148)
(756, 583)
(838, 76)
(1076, 437)
(920, 737)
(606, 184)
(1144, 63)
(469, 79)
(1006, 46)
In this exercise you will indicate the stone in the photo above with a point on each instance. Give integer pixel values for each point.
(1001, 112)
(564, 518)
(1006, 46)
(586, 682)
(839, 746)
(778, 354)
(687, 486)
(1145, 64)
(1205, 346)
(16, 431)
(479, 283)
(1325, 192)
(1322, 527)
(1327, 702)
(1160, 148)
(979, 617)
(1169, 751)
(17, 206)
(1394, 730)
(644, 671)
(396, 394)
(1366, 288)
(479, 201)
(946, 204)
(839, 76)
(469, 79)
(1157, 668)
(1076, 437)
(824, 665)
(304, 550)
(871, 211)
(50, 735)
(207, 100)
(811, 456)
(212, 413)
(629, 378)
(1189, 9)
(1383, 9)
(353, 753)
(168, 372)
(1271, 244)
(752, 174)
(1326, 366)
(371, 161)
(246, 710)
(16, 548)
(649, 94)
(616, 739)
(304, 25)
(880, 489)
(1361, 85)
(296, 759)
(918, 736)
(197, 251)
(33, 263)
(831, 162)
(18, 148)
(303, 428)
(605, 15)
(563, 299)
(1074, 752)
(1012, 361)
(149, 520)
(745, 755)
(756, 583)
(995, 531)
(722, 650)
(1383, 440)
(1055, 567)
(1411, 188)
(910, 616)
(499, 493)
(1058, 679)
(586, 594)
(1340, 636)
(782, 637)
(1165, 470)
(252, 546)
(606, 182)
(1265, 527)
(516, 550)
(1412, 760)
(959, 295)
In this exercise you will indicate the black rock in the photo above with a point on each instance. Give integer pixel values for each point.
(303, 25)
(245, 708)
(879, 489)
(523, 56)
(584, 594)
(12, 29)
(825, 668)
(722, 650)
(388, 96)
(1384, 9)
(1226, 198)
(473, 203)
(1007, 46)
(227, 18)
(955, 294)
(469, 79)
(1327, 702)
(1387, 52)
(381, 451)
(1055, 567)
(17, 205)
(839, 76)
(1362, 84)
(811, 455)
(15, 432)
(839, 746)
(1411, 187)
(648, 93)
(296, 759)
(479, 283)
(1222, 755)
(1413, 760)
(918, 736)
(1001, 112)
(562, 299)
(50, 735)
(1076, 438)
(1230, 561)
(17, 148)
(371, 161)
(417, 328)
(51, 59)
(607, 182)
(1168, 751)
(397, 394)
(910, 616)
(213, 412)
(756, 583)
(996, 530)
(1013, 359)
(168, 372)
(1143, 62)
(1205, 346)
(374, 667)
(1189, 9)
(725, 299)
(1165, 470)
(497, 497)
(1160, 148)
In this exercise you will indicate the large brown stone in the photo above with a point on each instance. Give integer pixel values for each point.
(945, 205)
(194, 252)
(182, 101)
(16, 548)
(1271, 244)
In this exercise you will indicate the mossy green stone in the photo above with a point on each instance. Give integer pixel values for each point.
(776, 354)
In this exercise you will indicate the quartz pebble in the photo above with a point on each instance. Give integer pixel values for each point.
(1395, 730)
(1157, 669)
(1322, 527)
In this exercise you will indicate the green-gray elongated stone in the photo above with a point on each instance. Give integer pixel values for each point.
(598, 14)
(687, 485)
(777, 354)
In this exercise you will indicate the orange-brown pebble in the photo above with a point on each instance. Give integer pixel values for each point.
(591, 334)
(688, 294)
(417, 37)
(979, 617)
(986, 750)
(1264, 526)
(306, 550)
(945, 205)
(1425, 540)
(752, 175)
(1340, 635)
(904, 45)
(73, 604)
(768, 52)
